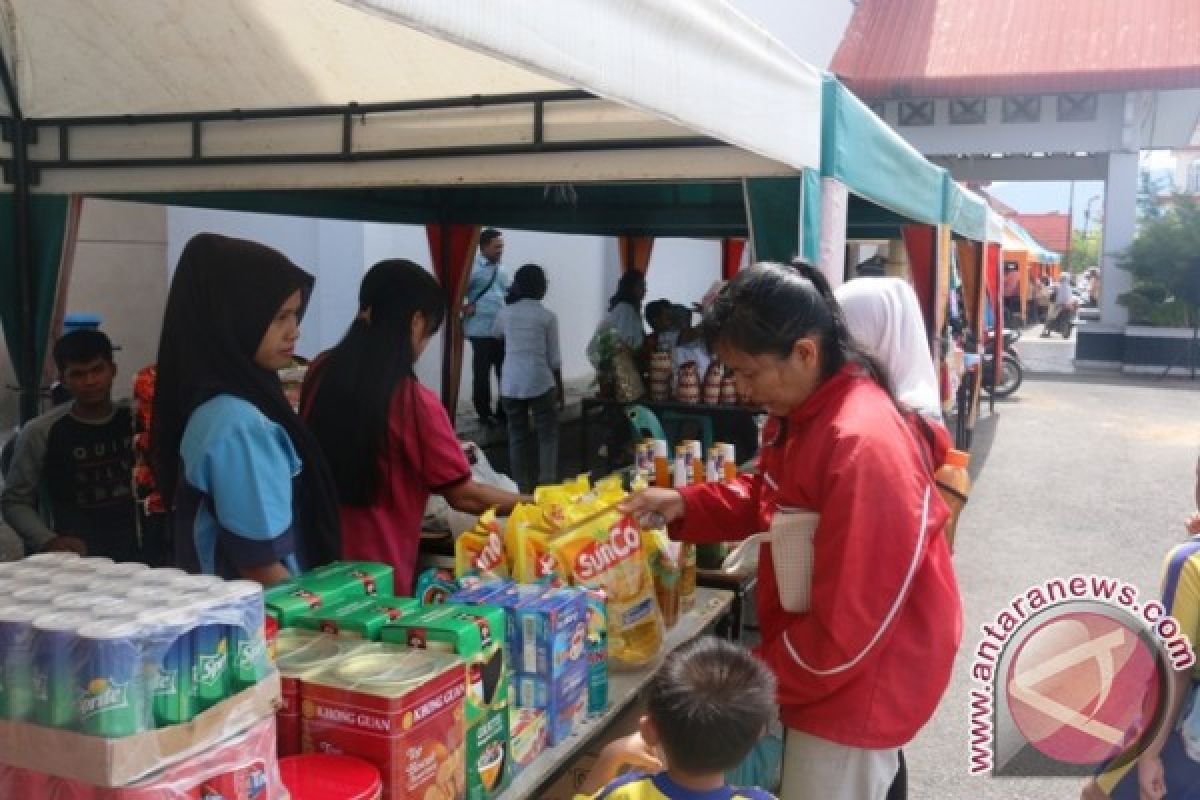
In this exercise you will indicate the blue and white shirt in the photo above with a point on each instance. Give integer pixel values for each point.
(235, 505)
(531, 354)
(490, 302)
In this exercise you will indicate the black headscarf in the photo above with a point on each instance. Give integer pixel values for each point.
(224, 296)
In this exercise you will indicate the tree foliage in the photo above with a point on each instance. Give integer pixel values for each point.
(1164, 259)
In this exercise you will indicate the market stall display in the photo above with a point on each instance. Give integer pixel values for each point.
(495, 678)
(144, 695)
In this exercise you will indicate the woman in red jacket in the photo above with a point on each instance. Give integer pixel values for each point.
(863, 669)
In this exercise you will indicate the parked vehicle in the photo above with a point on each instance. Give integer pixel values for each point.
(1012, 372)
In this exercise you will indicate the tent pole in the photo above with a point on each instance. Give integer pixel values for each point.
(25, 366)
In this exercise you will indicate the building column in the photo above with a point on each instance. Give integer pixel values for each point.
(1120, 218)
(835, 209)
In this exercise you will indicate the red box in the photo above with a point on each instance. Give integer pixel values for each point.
(413, 732)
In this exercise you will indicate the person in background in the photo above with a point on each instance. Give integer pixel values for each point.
(250, 494)
(532, 382)
(884, 317)
(690, 347)
(706, 707)
(1062, 306)
(69, 486)
(862, 667)
(625, 310)
(1012, 295)
(484, 298)
(663, 331)
(388, 440)
(1093, 287)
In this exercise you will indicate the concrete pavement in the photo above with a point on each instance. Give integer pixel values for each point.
(1082, 474)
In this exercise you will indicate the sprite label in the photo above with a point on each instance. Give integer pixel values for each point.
(210, 666)
(105, 709)
(210, 670)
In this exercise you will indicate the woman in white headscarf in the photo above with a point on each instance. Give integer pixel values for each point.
(883, 315)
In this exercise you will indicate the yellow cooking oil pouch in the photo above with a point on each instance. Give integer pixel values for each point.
(481, 549)
(607, 553)
(528, 544)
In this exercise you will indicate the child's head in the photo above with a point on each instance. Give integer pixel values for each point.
(708, 705)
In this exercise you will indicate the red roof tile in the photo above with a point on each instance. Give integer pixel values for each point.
(1052, 231)
(946, 48)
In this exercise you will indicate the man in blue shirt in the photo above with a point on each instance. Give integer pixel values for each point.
(484, 298)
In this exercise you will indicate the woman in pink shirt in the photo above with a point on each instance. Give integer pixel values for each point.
(387, 438)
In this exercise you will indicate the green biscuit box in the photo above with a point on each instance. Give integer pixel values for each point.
(476, 634)
(326, 587)
(361, 618)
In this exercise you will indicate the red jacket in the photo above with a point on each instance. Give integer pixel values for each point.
(868, 663)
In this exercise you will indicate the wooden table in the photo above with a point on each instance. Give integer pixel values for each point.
(623, 690)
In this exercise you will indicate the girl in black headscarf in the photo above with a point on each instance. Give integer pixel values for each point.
(252, 496)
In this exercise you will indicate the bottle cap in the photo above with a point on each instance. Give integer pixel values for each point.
(957, 458)
(660, 448)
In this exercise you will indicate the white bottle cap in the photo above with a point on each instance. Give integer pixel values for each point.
(660, 448)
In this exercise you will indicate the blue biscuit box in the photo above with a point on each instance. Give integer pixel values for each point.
(551, 632)
(564, 699)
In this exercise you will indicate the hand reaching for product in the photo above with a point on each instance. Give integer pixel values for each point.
(654, 508)
(1193, 524)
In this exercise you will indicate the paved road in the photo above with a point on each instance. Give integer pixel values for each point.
(1074, 477)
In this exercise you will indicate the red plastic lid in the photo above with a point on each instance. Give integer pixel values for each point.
(318, 776)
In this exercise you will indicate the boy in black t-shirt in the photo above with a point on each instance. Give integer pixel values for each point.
(69, 486)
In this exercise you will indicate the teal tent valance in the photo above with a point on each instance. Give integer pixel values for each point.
(876, 163)
(48, 227)
(965, 212)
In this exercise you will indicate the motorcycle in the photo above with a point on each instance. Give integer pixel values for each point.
(1012, 372)
(1064, 319)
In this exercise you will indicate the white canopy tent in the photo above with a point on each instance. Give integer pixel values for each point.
(143, 95)
(162, 97)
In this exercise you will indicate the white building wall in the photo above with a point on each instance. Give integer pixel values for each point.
(118, 275)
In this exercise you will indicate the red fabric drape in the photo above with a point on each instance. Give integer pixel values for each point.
(452, 248)
(991, 270)
(731, 257)
(635, 252)
(921, 243)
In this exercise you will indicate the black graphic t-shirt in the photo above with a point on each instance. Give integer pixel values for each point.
(87, 473)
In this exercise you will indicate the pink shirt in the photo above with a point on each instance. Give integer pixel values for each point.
(423, 457)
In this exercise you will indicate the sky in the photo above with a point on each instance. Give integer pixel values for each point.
(1033, 197)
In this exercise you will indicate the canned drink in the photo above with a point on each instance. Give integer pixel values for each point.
(16, 635)
(53, 557)
(210, 665)
(159, 577)
(100, 605)
(88, 565)
(196, 584)
(109, 680)
(30, 575)
(39, 596)
(160, 595)
(53, 660)
(72, 581)
(123, 569)
(169, 675)
(248, 640)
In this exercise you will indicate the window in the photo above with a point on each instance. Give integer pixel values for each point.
(1193, 178)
